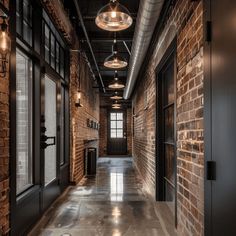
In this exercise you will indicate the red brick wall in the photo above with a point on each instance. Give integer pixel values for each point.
(103, 132)
(4, 155)
(4, 152)
(186, 17)
(81, 135)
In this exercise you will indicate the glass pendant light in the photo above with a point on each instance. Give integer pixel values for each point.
(113, 17)
(116, 84)
(116, 105)
(116, 96)
(115, 61)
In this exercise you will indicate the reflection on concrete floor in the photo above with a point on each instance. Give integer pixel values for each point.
(112, 204)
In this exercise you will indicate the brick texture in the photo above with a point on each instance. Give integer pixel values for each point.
(81, 136)
(4, 151)
(187, 17)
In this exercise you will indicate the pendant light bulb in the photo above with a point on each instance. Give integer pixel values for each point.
(113, 17)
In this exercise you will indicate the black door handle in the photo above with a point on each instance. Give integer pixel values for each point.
(44, 138)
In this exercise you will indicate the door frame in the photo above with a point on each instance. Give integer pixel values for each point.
(207, 48)
(26, 208)
(170, 54)
(124, 111)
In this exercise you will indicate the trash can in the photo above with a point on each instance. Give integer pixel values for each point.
(90, 162)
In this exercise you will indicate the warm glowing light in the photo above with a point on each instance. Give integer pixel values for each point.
(116, 85)
(5, 42)
(115, 61)
(113, 17)
(116, 97)
(113, 14)
(79, 95)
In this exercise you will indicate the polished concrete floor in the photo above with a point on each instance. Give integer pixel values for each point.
(112, 204)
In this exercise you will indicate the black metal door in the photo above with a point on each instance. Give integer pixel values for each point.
(220, 118)
(117, 139)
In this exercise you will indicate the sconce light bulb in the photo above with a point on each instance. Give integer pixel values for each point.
(5, 43)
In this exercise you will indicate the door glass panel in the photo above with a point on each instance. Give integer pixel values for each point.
(113, 124)
(116, 125)
(46, 42)
(113, 116)
(169, 192)
(51, 126)
(120, 124)
(169, 85)
(170, 163)
(119, 116)
(113, 133)
(119, 133)
(53, 44)
(23, 122)
(169, 124)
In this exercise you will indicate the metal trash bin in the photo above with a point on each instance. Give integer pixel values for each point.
(90, 162)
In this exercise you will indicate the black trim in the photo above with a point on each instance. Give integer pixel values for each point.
(169, 55)
(207, 119)
(27, 208)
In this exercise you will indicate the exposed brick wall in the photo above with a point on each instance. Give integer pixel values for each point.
(103, 132)
(79, 132)
(81, 136)
(187, 19)
(4, 151)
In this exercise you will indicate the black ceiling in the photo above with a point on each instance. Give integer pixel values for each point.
(101, 40)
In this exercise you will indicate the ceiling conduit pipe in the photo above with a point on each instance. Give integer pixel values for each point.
(89, 43)
(148, 15)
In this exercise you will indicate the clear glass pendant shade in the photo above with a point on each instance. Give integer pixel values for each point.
(113, 17)
(116, 96)
(116, 84)
(115, 61)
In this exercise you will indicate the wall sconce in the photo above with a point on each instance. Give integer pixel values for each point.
(78, 103)
(5, 46)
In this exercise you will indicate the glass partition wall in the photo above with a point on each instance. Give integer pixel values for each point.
(39, 114)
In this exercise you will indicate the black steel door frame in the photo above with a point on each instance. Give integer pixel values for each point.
(168, 56)
(207, 118)
(124, 111)
(24, 210)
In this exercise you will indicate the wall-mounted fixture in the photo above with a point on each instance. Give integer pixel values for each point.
(116, 84)
(78, 103)
(113, 17)
(116, 96)
(115, 61)
(5, 46)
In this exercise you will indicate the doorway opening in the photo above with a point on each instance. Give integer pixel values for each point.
(166, 161)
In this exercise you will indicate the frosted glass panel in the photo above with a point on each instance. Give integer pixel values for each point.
(113, 116)
(113, 124)
(50, 124)
(23, 122)
(113, 133)
(119, 124)
(119, 116)
(119, 133)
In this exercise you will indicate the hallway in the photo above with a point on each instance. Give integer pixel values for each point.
(117, 117)
(112, 204)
